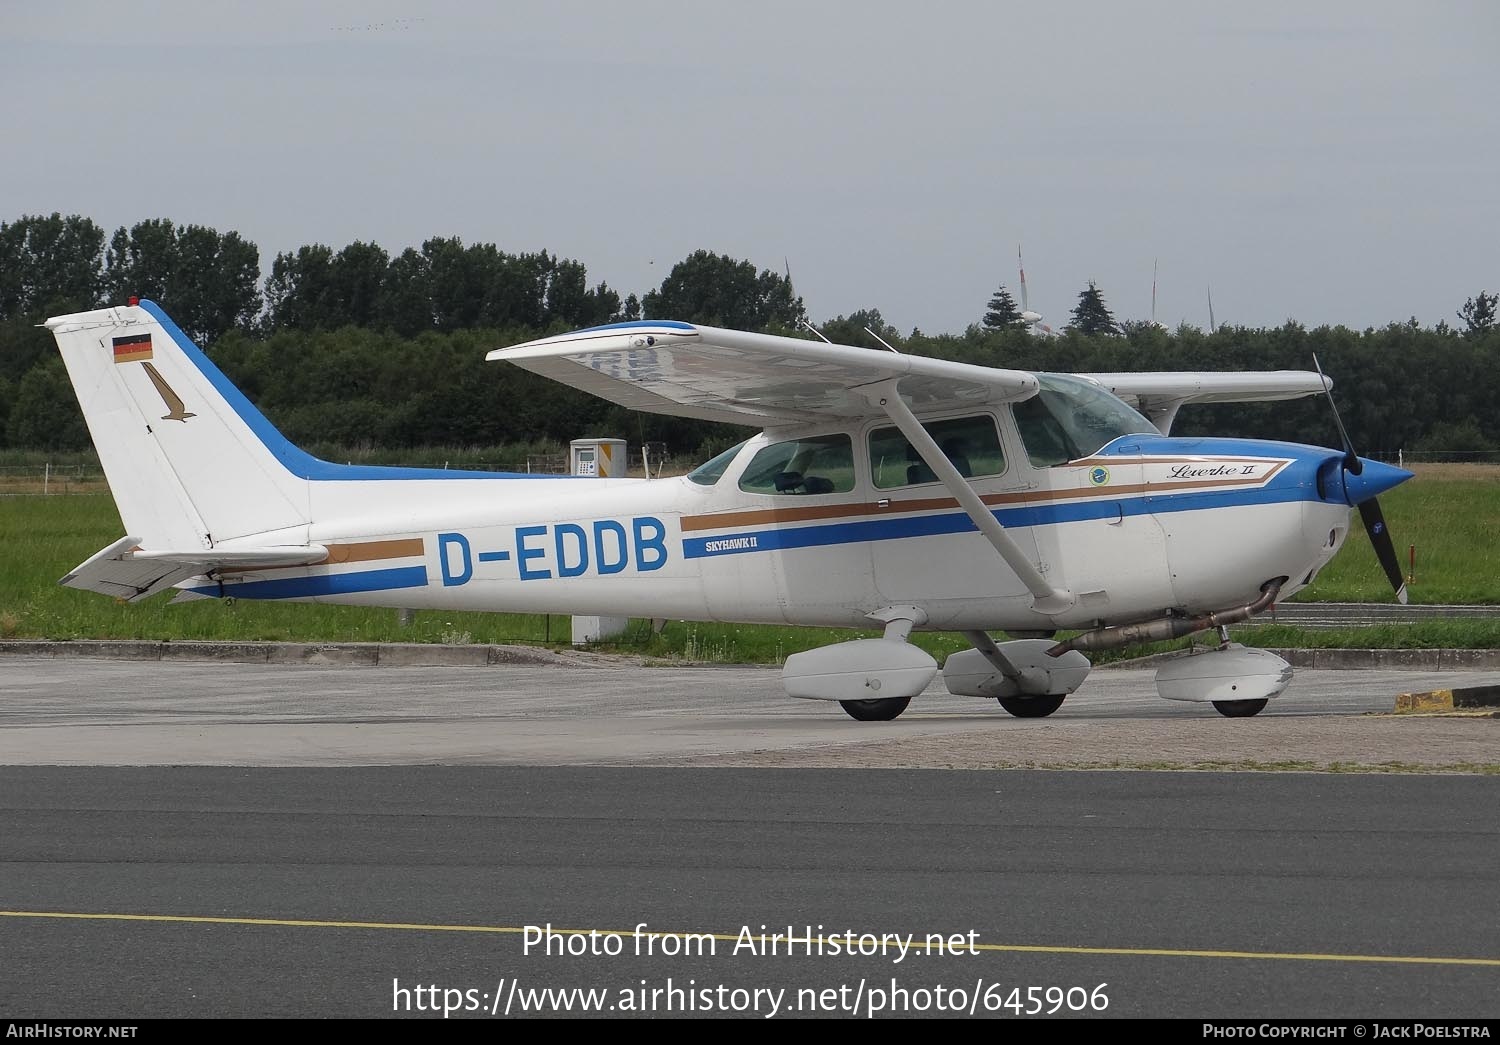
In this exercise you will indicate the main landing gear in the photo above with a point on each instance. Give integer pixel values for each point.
(872, 679)
(1019, 674)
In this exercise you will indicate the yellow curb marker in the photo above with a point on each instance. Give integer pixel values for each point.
(1455, 699)
(1435, 700)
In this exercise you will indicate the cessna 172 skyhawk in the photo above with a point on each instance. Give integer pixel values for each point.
(885, 489)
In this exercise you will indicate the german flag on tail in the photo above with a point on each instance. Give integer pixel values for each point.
(133, 348)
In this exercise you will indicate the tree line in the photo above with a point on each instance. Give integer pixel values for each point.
(1092, 315)
(357, 347)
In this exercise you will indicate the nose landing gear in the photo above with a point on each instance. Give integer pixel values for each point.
(1237, 681)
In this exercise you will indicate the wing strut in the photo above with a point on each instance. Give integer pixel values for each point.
(1046, 598)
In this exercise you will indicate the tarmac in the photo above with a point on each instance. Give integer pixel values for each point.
(267, 704)
(416, 654)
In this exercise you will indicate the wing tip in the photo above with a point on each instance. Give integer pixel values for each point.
(646, 328)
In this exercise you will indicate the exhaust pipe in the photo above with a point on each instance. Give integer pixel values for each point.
(1167, 627)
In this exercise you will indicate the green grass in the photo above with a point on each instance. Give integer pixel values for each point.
(1453, 517)
(1451, 513)
(44, 537)
(1427, 634)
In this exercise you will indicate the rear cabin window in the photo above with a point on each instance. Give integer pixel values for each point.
(710, 472)
(818, 464)
(971, 443)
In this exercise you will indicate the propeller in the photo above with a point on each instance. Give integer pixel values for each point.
(1361, 490)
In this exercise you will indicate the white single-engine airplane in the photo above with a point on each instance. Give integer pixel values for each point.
(898, 490)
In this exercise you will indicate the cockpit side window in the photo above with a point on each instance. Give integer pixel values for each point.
(1046, 442)
(814, 465)
(711, 471)
(971, 444)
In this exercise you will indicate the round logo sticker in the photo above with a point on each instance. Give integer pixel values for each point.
(1099, 476)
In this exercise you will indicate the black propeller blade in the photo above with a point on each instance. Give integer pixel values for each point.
(1351, 459)
(1385, 548)
(1369, 509)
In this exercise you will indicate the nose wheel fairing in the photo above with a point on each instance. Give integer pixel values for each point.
(1232, 674)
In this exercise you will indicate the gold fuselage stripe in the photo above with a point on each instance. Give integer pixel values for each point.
(771, 516)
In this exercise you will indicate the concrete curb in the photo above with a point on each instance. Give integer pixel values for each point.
(370, 654)
(1358, 659)
(423, 655)
(1395, 659)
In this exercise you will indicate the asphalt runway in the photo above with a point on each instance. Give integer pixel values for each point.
(1168, 894)
(197, 839)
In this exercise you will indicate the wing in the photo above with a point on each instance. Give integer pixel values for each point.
(125, 571)
(764, 380)
(1159, 396)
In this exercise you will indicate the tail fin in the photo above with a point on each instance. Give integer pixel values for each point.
(190, 461)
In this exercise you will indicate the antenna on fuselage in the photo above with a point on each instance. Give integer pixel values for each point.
(815, 330)
(882, 340)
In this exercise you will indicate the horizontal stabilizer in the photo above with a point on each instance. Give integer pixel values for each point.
(126, 571)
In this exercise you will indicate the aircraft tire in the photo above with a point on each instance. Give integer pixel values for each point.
(880, 709)
(1032, 707)
(1239, 708)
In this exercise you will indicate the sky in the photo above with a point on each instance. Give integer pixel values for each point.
(1331, 162)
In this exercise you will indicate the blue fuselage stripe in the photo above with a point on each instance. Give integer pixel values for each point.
(324, 584)
(783, 537)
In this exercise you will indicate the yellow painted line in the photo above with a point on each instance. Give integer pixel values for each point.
(295, 923)
(761, 940)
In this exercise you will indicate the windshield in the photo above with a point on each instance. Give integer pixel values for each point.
(1071, 418)
(711, 471)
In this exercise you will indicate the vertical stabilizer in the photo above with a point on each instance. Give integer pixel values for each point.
(190, 461)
